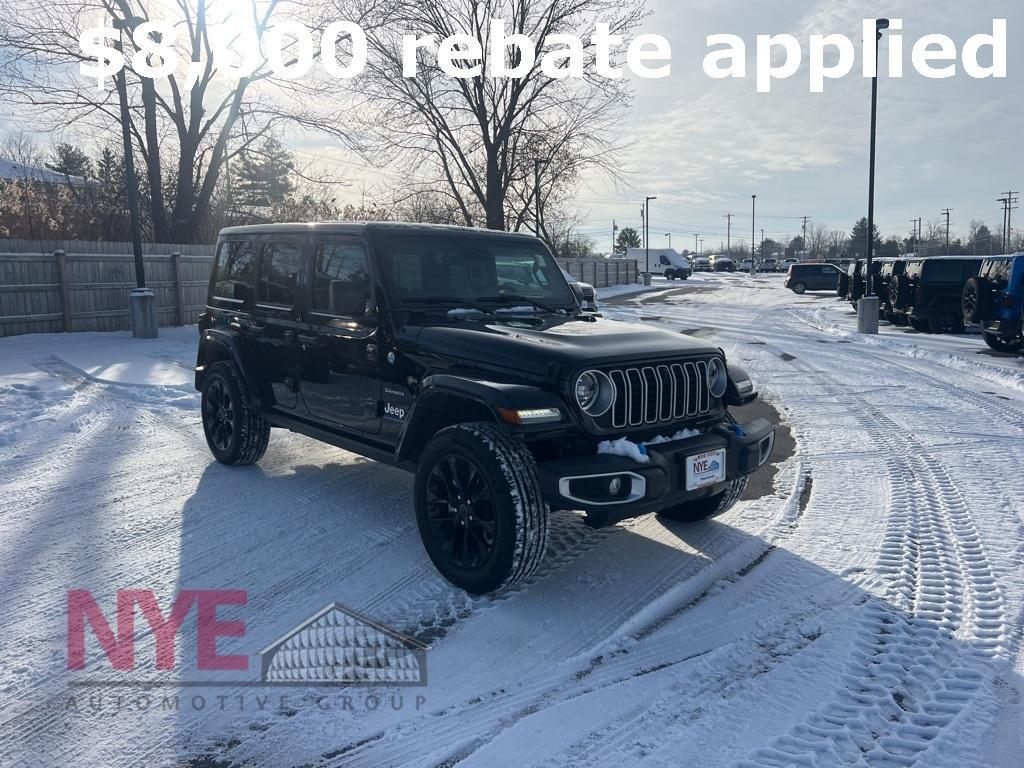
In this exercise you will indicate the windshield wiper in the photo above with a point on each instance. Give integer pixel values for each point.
(511, 297)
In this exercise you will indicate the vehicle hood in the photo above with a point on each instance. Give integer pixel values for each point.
(531, 346)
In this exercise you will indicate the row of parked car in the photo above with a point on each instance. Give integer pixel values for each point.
(941, 294)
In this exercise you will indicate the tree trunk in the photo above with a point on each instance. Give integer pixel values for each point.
(494, 203)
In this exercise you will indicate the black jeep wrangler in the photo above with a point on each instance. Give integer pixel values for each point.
(928, 292)
(891, 271)
(463, 356)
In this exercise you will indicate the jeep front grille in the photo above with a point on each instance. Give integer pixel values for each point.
(658, 393)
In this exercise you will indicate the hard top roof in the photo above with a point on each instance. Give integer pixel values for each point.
(366, 227)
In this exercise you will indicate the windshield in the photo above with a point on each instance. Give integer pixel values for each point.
(473, 271)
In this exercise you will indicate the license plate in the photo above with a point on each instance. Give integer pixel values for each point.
(705, 469)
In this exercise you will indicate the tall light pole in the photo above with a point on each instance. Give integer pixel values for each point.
(669, 236)
(867, 309)
(753, 224)
(141, 300)
(647, 231)
(728, 233)
(695, 244)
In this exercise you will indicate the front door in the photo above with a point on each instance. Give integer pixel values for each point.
(277, 293)
(338, 349)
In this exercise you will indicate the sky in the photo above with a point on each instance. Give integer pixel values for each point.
(704, 146)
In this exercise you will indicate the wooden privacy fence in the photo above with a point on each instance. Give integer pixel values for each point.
(602, 273)
(65, 291)
(89, 292)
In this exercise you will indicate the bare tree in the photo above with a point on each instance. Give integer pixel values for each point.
(485, 140)
(817, 238)
(184, 137)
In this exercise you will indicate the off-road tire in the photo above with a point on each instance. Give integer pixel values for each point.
(1001, 344)
(946, 317)
(976, 300)
(899, 291)
(250, 432)
(521, 516)
(799, 289)
(842, 285)
(705, 509)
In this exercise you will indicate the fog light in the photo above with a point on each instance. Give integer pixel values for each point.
(615, 486)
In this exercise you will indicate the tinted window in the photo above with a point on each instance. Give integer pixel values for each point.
(279, 272)
(236, 270)
(946, 271)
(665, 262)
(998, 271)
(338, 267)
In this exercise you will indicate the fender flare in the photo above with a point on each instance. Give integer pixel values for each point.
(232, 344)
(489, 395)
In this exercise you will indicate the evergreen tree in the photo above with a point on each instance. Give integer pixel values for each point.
(71, 161)
(859, 238)
(628, 238)
(263, 178)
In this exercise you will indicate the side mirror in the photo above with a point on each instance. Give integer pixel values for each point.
(348, 298)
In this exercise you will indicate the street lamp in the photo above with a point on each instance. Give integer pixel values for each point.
(867, 309)
(695, 248)
(142, 301)
(647, 233)
(669, 236)
(753, 224)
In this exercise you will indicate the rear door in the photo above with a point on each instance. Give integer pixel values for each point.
(825, 277)
(338, 349)
(277, 314)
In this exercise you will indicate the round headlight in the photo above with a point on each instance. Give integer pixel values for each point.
(595, 393)
(587, 388)
(718, 377)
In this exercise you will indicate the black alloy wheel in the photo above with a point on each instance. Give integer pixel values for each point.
(461, 511)
(219, 415)
(947, 318)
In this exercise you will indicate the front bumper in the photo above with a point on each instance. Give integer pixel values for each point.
(580, 482)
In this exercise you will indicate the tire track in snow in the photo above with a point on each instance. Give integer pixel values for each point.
(908, 679)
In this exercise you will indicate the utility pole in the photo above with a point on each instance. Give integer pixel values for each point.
(762, 245)
(728, 233)
(753, 224)
(615, 229)
(806, 218)
(695, 247)
(913, 235)
(647, 236)
(1009, 206)
(946, 213)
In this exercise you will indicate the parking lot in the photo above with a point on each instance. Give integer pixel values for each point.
(867, 608)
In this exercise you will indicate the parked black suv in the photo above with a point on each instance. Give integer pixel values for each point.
(812, 277)
(890, 271)
(462, 355)
(928, 292)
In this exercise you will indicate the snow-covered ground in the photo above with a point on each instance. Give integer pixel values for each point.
(867, 612)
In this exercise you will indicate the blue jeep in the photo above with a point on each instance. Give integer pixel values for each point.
(995, 301)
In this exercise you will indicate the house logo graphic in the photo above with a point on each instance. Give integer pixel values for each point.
(338, 646)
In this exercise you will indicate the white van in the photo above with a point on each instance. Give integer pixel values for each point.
(664, 261)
